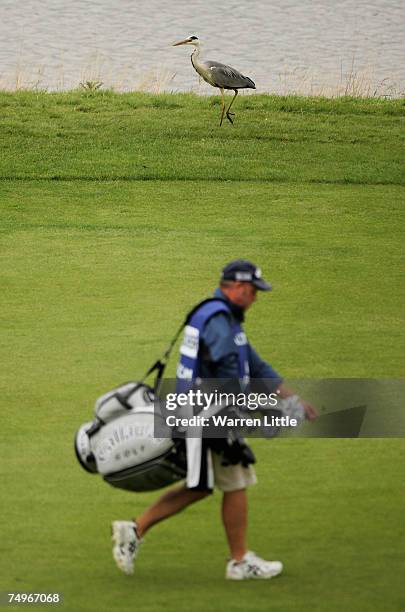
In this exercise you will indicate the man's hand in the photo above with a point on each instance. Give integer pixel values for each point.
(311, 413)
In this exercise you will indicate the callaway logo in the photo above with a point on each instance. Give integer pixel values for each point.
(131, 433)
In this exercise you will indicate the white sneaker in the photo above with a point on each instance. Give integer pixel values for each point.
(252, 567)
(126, 545)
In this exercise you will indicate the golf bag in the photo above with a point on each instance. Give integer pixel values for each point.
(120, 444)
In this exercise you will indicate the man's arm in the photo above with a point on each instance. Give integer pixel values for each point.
(223, 357)
(262, 369)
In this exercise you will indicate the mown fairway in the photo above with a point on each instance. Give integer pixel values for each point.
(117, 212)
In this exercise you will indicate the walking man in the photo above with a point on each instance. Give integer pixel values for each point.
(215, 346)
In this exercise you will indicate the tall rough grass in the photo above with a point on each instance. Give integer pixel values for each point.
(351, 81)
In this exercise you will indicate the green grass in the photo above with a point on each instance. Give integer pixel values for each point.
(136, 136)
(117, 212)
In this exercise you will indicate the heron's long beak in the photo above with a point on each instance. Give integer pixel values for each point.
(181, 42)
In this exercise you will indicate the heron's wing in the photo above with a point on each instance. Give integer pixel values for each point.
(226, 76)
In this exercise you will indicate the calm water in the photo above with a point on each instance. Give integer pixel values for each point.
(293, 45)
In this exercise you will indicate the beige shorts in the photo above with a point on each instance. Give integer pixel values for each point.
(232, 477)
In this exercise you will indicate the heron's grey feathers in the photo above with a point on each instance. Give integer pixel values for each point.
(221, 75)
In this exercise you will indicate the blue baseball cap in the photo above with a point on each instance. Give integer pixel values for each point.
(246, 272)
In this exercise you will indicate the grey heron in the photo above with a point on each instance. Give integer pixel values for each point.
(217, 75)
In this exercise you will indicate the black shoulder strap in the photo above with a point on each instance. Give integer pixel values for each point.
(160, 365)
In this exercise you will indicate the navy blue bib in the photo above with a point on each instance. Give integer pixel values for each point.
(188, 370)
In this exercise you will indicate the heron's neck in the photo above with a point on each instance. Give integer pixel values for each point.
(195, 56)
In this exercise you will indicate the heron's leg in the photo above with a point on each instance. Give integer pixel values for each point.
(228, 114)
(223, 105)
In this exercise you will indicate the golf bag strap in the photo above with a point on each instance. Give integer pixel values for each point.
(160, 365)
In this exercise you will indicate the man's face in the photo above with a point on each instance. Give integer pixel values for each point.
(244, 294)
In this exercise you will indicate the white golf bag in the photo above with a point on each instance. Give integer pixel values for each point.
(120, 444)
